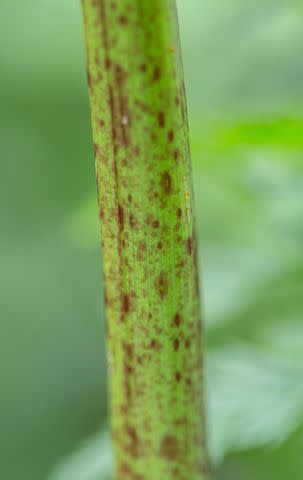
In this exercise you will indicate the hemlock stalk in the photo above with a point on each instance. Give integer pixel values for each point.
(144, 181)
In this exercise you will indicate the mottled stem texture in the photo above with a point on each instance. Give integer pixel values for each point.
(143, 170)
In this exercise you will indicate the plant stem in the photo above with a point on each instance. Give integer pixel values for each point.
(144, 184)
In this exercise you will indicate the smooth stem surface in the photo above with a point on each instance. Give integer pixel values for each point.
(149, 248)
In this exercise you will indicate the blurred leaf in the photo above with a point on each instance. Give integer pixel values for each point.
(237, 372)
(256, 399)
(92, 461)
(248, 55)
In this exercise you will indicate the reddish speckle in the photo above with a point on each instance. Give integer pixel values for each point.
(122, 20)
(179, 213)
(129, 198)
(156, 74)
(155, 345)
(127, 389)
(169, 448)
(177, 320)
(125, 303)
(106, 299)
(166, 183)
(107, 63)
(120, 74)
(99, 77)
(143, 68)
(159, 245)
(142, 246)
(120, 217)
(176, 154)
(128, 350)
(161, 285)
(89, 79)
(189, 245)
(115, 170)
(170, 136)
(96, 150)
(133, 222)
(176, 344)
(152, 222)
(101, 123)
(178, 377)
(187, 343)
(133, 446)
(161, 119)
(125, 469)
(128, 370)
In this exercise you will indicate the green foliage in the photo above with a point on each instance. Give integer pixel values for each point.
(93, 461)
(238, 372)
(244, 82)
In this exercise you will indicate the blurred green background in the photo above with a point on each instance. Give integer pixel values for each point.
(244, 75)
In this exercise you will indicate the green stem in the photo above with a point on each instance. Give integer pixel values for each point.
(149, 248)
